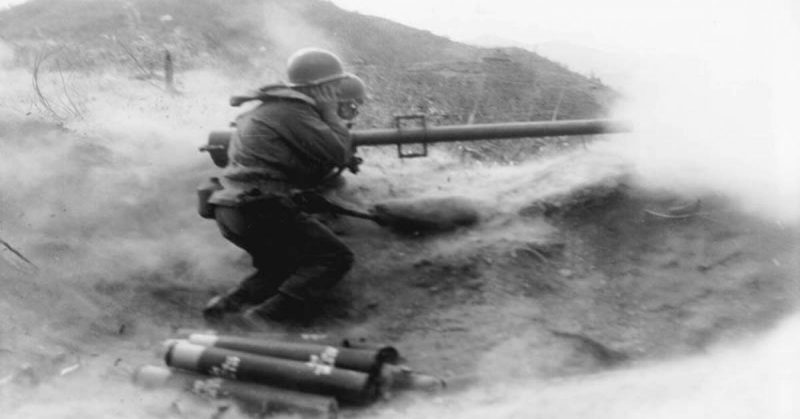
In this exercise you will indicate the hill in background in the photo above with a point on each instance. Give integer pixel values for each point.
(408, 70)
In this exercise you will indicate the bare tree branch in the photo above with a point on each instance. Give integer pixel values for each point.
(37, 65)
(75, 109)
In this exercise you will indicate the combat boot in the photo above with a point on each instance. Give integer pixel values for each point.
(217, 307)
(274, 311)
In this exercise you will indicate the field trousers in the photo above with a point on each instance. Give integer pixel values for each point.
(293, 253)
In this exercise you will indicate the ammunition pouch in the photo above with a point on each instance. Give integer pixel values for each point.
(204, 208)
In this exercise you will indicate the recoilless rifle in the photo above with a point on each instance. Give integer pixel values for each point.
(421, 134)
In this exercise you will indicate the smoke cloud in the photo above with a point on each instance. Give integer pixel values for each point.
(290, 31)
(714, 113)
(712, 107)
(98, 192)
(755, 380)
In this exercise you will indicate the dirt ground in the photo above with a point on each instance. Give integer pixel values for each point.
(605, 280)
(574, 269)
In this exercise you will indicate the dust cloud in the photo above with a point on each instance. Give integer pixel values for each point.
(103, 204)
(98, 193)
(6, 55)
(712, 109)
(283, 23)
(120, 171)
(105, 165)
(713, 114)
(754, 380)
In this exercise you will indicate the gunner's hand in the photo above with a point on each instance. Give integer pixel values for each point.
(327, 101)
(354, 165)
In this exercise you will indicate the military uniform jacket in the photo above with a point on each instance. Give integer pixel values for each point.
(280, 145)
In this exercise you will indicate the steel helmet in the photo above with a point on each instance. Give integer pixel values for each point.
(351, 87)
(310, 66)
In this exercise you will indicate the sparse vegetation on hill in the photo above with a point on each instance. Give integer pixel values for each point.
(408, 70)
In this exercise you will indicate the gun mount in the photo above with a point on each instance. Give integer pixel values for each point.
(423, 134)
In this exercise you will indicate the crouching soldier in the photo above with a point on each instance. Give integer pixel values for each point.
(295, 139)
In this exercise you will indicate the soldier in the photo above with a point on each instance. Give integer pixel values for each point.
(294, 140)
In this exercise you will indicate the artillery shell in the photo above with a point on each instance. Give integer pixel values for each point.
(317, 376)
(253, 397)
(364, 360)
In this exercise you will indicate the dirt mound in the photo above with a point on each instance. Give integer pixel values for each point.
(573, 269)
(427, 215)
(595, 284)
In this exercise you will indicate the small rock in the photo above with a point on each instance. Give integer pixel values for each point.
(566, 273)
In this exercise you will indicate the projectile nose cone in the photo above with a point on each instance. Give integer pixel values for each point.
(424, 382)
(166, 346)
(151, 376)
(183, 354)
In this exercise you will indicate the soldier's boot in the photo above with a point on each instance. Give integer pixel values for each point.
(217, 307)
(271, 313)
